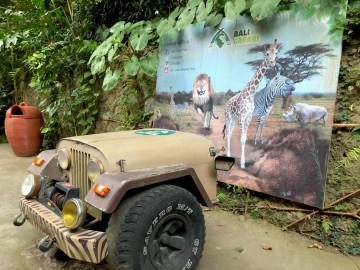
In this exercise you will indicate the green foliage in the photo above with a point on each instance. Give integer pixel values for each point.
(326, 224)
(3, 139)
(67, 47)
(213, 20)
(352, 22)
(344, 95)
(261, 9)
(351, 156)
(221, 196)
(333, 9)
(232, 10)
(132, 65)
(203, 10)
(111, 79)
(51, 40)
(343, 234)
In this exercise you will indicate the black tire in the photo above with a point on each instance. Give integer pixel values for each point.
(161, 228)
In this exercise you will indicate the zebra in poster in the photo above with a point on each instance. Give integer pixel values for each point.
(264, 99)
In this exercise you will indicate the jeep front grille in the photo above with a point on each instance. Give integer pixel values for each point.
(78, 172)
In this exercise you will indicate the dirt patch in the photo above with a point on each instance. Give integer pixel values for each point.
(293, 164)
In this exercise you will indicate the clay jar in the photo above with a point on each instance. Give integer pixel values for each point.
(22, 129)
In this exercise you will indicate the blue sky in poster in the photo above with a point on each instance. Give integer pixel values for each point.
(181, 63)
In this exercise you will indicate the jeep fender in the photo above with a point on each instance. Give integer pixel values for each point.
(49, 167)
(120, 183)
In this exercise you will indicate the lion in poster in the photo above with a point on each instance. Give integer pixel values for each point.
(203, 97)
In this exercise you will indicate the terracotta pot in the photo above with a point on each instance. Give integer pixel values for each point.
(22, 129)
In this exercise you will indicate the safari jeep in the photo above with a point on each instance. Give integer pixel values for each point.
(131, 197)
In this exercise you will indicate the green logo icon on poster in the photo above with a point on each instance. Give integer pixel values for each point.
(220, 39)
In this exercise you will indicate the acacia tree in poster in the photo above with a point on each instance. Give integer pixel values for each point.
(298, 64)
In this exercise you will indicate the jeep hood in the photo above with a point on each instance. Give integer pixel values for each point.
(142, 150)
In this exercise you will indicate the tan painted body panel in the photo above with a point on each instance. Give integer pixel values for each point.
(149, 151)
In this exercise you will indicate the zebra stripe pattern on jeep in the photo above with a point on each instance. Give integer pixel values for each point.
(84, 245)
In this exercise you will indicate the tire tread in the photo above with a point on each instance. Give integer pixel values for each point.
(127, 216)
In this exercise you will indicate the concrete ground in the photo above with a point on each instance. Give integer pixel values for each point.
(232, 243)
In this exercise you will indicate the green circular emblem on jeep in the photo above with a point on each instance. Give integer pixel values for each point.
(155, 132)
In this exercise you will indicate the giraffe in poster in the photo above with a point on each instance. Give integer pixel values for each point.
(241, 106)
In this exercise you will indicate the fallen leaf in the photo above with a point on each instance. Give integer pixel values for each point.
(267, 248)
(315, 246)
(220, 225)
(324, 217)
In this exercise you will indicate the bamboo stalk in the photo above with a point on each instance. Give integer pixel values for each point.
(339, 125)
(287, 208)
(354, 214)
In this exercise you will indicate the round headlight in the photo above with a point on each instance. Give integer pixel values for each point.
(30, 186)
(73, 214)
(64, 158)
(95, 168)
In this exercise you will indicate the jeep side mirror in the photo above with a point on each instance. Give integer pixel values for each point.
(224, 163)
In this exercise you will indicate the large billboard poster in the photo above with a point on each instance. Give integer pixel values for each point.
(264, 91)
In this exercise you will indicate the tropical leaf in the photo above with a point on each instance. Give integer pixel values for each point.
(177, 11)
(102, 49)
(132, 65)
(86, 131)
(111, 79)
(232, 10)
(11, 40)
(139, 40)
(260, 9)
(164, 27)
(87, 74)
(111, 54)
(149, 64)
(213, 20)
(117, 28)
(203, 11)
(193, 3)
(304, 3)
(98, 65)
(185, 18)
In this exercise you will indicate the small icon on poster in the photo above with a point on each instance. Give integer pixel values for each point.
(166, 70)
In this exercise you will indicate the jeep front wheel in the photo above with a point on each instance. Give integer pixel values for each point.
(161, 228)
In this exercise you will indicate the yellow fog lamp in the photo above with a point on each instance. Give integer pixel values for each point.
(30, 186)
(95, 169)
(64, 158)
(73, 214)
(224, 163)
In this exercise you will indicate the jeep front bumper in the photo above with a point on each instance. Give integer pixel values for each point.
(81, 244)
